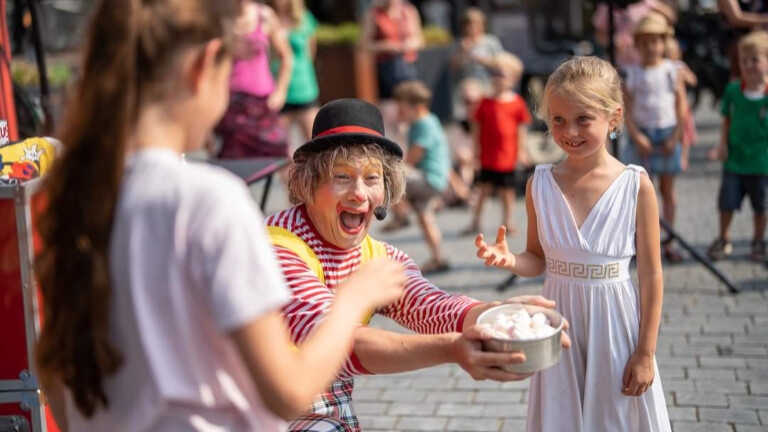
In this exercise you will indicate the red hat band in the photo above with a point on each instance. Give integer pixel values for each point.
(348, 129)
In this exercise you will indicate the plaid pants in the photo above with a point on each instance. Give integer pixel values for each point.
(330, 412)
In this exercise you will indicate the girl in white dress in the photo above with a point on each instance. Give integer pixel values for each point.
(587, 217)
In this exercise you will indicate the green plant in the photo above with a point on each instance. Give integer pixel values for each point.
(342, 34)
(436, 36)
(26, 74)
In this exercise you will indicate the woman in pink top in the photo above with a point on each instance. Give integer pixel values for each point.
(251, 125)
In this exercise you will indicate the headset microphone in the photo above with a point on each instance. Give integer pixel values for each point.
(380, 212)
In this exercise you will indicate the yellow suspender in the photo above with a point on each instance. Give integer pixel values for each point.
(371, 249)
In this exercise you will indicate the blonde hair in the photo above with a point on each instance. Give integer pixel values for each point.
(310, 170)
(413, 93)
(472, 14)
(754, 41)
(587, 81)
(505, 61)
(296, 9)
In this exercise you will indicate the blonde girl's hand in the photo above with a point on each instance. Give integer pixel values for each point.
(497, 255)
(276, 100)
(669, 146)
(638, 374)
(376, 284)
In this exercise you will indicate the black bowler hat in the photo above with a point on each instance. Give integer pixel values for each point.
(348, 122)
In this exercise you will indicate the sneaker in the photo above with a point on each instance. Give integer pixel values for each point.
(396, 224)
(758, 251)
(719, 250)
(433, 267)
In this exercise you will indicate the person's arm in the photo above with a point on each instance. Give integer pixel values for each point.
(681, 102)
(530, 263)
(280, 47)
(641, 141)
(721, 151)
(639, 372)
(739, 19)
(689, 78)
(292, 378)
(415, 154)
(415, 39)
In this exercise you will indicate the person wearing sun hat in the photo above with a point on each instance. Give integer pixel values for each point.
(656, 105)
(341, 179)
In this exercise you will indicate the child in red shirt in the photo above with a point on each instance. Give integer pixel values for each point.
(500, 127)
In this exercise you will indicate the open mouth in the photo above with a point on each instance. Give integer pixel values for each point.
(351, 222)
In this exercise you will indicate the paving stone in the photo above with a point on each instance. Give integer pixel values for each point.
(719, 362)
(681, 413)
(752, 375)
(753, 402)
(677, 385)
(365, 395)
(452, 396)
(711, 340)
(462, 410)
(498, 396)
(759, 388)
(506, 410)
(757, 363)
(720, 386)
(679, 426)
(751, 340)
(744, 351)
(749, 428)
(700, 399)
(712, 374)
(694, 350)
(370, 408)
(434, 383)
(474, 424)
(422, 423)
(403, 395)
(467, 383)
(513, 425)
(728, 415)
(369, 422)
(412, 409)
(671, 372)
(677, 361)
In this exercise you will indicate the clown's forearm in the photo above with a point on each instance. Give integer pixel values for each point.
(385, 352)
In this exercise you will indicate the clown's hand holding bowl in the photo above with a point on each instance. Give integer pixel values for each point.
(343, 176)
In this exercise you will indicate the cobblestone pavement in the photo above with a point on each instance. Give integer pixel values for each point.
(712, 351)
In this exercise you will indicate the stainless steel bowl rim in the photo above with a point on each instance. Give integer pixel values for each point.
(558, 329)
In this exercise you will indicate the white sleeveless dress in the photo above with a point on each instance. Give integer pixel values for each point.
(588, 276)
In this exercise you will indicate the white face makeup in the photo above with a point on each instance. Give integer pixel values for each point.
(342, 207)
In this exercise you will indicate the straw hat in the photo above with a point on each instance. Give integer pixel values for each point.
(655, 24)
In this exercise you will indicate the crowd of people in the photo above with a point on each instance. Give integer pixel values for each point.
(171, 303)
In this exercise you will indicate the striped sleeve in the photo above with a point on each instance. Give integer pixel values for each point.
(424, 308)
(310, 301)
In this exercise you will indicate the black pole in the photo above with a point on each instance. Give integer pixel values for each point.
(37, 41)
(698, 256)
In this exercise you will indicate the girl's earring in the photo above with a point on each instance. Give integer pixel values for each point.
(613, 135)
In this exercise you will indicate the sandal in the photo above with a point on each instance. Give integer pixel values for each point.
(719, 249)
(672, 255)
(434, 266)
(758, 251)
(471, 230)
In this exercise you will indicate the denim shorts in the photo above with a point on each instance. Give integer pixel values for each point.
(736, 186)
(657, 162)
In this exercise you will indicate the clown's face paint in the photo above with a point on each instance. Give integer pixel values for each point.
(342, 207)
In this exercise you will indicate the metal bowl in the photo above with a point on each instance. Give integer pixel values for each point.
(540, 353)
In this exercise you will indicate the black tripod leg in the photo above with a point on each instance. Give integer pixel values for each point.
(507, 283)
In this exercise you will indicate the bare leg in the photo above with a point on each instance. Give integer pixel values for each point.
(668, 197)
(305, 119)
(508, 202)
(431, 233)
(391, 123)
(725, 225)
(760, 222)
(485, 190)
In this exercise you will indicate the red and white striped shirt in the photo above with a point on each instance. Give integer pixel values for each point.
(422, 308)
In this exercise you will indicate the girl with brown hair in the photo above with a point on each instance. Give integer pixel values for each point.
(161, 294)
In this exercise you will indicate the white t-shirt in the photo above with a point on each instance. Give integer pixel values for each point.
(190, 262)
(653, 94)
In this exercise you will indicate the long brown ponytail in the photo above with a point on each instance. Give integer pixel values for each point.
(132, 48)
